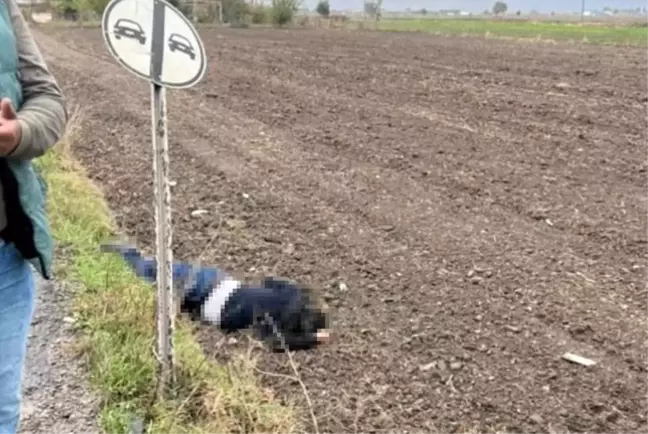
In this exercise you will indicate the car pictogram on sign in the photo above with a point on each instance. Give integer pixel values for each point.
(129, 29)
(180, 43)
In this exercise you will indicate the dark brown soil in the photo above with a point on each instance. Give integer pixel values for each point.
(482, 202)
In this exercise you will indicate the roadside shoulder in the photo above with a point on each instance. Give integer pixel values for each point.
(56, 392)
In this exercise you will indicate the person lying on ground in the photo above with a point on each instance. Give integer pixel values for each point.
(33, 118)
(283, 314)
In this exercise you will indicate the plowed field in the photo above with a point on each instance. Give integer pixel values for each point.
(472, 209)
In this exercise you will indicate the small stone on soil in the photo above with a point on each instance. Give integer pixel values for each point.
(198, 212)
(537, 419)
(428, 366)
(574, 358)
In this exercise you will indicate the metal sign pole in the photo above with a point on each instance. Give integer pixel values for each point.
(163, 232)
(164, 254)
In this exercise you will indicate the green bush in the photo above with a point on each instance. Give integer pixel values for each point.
(323, 8)
(283, 11)
(69, 8)
(260, 14)
(234, 12)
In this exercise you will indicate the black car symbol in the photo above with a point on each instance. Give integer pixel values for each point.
(129, 29)
(180, 43)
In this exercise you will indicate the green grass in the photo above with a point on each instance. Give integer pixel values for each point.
(115, 314)
(596, 34)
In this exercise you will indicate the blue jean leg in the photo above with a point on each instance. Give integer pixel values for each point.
(17, 294)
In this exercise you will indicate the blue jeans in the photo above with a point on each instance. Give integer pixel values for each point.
(17, 294)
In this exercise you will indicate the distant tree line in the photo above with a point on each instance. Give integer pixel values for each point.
(499, 7)
(235, 12)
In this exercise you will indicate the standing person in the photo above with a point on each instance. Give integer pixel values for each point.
(33, 117)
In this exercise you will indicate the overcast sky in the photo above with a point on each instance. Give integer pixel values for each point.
(480, 5)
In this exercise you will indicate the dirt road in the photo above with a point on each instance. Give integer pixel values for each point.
(472, 209)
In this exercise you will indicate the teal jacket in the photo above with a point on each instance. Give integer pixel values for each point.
(24, 189)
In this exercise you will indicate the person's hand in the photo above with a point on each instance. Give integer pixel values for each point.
(9, 127)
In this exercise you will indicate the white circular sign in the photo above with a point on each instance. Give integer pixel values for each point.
(155, 41)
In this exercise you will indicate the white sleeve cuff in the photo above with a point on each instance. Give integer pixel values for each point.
(215, 303)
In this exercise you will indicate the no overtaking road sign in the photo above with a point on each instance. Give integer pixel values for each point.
(155, 41)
